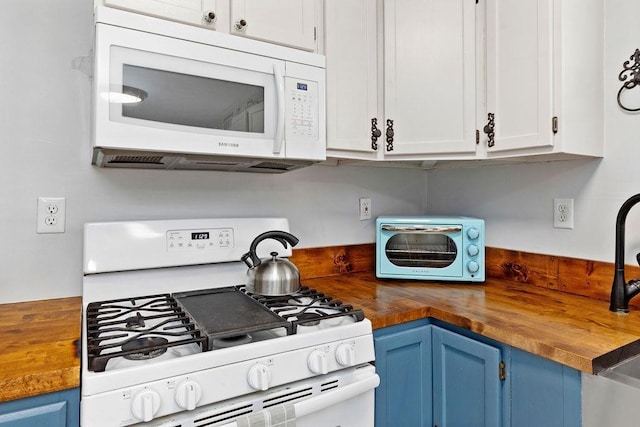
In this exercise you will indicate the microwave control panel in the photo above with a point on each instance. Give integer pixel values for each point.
(194, 240)
(302, 109)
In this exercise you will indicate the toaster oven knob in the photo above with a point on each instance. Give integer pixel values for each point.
(346, 355)
(145, 405)
(317, 362)
(188, 394)
(473, 250)
(473, 233)
(473, 267)
(259, 376)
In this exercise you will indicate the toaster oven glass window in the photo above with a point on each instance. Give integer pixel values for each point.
(421, 250)
(196, 101)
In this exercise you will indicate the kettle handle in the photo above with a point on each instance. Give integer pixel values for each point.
(281, 236)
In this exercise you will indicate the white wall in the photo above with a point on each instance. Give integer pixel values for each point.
(516, 200)
(44, 137)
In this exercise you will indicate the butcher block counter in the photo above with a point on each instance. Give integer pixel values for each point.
(529, 301)
(40, 343)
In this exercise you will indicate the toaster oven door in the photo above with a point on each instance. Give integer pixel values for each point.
(420, 251)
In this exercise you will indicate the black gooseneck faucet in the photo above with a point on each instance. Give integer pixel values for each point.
(621, 291)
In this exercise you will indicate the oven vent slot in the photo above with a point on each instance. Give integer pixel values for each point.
(329, 386)
(223, 414)
(288, 397)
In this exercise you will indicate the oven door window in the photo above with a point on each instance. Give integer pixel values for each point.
(421, 250)
(163, 91)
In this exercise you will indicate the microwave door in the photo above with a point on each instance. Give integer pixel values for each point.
(209, 99)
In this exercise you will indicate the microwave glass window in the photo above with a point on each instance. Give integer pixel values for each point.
(421, 250)
(195, 101)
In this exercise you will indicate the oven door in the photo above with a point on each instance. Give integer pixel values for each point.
(156, 93)
(420, 251)
(351, 405)
(342, 398)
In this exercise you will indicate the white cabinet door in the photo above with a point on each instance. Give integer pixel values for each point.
(189, 11)
(429, 83)
(352, 75)
(288, 22)
(520, 73)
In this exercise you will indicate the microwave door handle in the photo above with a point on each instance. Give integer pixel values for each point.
(421, 229)
(279, 137)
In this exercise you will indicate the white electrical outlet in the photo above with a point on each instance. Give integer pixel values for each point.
(365, 208)
(51, 215)
(563, 213)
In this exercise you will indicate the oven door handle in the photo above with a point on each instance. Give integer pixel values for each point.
(421, 229)
(341, 394)
(332, 398)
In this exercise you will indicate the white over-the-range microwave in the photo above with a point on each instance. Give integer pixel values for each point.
(173, 96)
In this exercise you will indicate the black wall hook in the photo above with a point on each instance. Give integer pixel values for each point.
(630, 71)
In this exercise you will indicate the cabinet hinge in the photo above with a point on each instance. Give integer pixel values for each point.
(554, 124)
(315, 34)
(477, 136)
(502, 371)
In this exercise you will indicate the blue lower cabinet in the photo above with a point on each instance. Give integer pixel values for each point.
(59, 409)
(467, 389)
(439, 375)
(403, 362)
(544, 393)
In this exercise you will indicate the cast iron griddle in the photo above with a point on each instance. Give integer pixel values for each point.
(228, 312)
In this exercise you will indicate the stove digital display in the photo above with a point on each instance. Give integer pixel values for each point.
(201, 235)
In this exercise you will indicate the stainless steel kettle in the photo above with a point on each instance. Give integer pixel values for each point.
(271, 276)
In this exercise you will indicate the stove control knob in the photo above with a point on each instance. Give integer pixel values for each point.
(317, 362)
(259, 376)
(346, 355)
(188, 394)
(145, 404)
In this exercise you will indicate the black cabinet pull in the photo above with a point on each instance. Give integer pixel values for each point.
(390, 133)
(375, 134)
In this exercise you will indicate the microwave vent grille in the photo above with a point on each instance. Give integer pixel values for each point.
(137, 159)
(109, 158)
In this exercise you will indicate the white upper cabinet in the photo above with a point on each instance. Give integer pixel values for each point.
(413, 78)
(429, 76)
(352, 77)
(287, 22)
(544, 82)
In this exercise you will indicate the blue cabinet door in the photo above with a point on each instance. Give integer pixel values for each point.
(60, 409)
(403, 362)
(544, 393)
(466, 381)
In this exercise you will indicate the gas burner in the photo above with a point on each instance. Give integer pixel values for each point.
(231, 341)
(145, 348)
(135, 322)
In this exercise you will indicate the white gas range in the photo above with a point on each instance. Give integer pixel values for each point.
(172, 338)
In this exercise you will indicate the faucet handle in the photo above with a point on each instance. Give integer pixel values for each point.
(638, 258)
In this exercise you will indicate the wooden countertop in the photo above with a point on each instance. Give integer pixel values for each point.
(554, 307)
(574, 330)
(39, 347)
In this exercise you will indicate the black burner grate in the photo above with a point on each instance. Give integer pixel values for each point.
(307, 307)
(115, 328)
